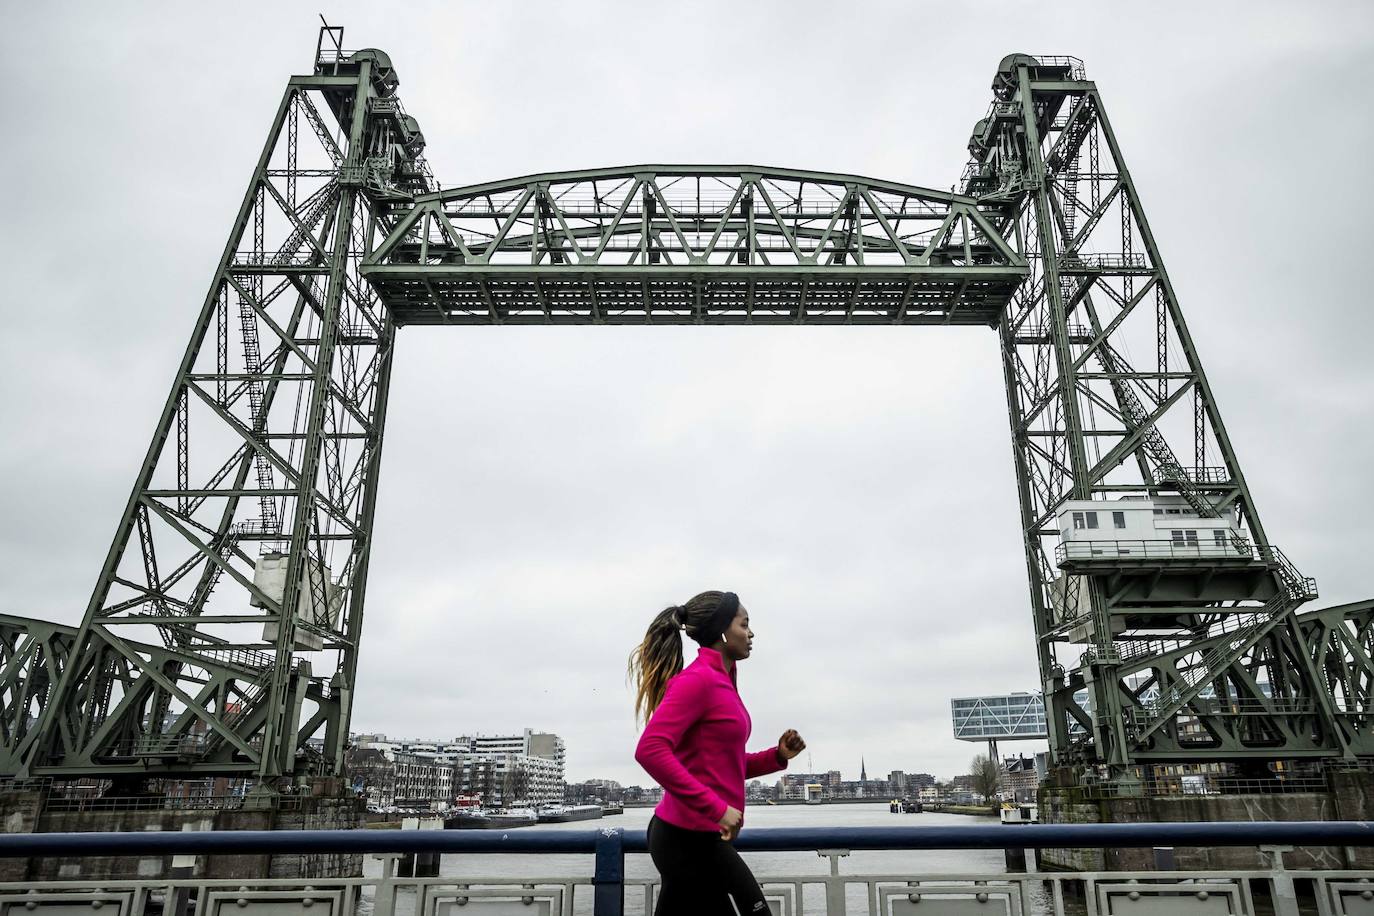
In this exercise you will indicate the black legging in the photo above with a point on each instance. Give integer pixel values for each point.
(701, 874)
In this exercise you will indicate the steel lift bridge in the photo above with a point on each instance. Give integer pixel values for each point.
(223, 633)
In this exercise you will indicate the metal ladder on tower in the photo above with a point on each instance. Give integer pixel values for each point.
(1063, 161)
(250, 697)
(1167, 468)
(1064, 153)
(316, 207)
(252, 357)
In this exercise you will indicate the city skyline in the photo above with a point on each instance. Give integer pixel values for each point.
(798, 765)
(451, 751)
(515, 771)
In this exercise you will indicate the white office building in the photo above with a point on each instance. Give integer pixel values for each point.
(537, 758)
(505, 770)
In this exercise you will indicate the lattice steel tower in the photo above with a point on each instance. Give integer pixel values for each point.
(257, 493)
(1187, 611)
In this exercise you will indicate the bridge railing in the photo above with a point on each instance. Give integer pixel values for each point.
(1164, 549)
(609, 891)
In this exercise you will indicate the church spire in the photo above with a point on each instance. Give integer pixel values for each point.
(863, 771)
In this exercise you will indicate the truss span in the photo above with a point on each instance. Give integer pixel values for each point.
(695, 245)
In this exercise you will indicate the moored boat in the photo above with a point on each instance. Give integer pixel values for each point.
(561, 814)
(467, 819)
(515, 817)
(1020, 813)
(476, 819)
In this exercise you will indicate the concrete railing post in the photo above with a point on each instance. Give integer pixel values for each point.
(384, 896)
(608, 882)
(183, 868)
(834, 885)
(1285, 895)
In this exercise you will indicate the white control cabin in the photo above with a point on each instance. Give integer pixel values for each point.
(1164, 527)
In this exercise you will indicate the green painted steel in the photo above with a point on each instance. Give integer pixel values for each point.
(1239, 680)
(667, 244)
(223, 632)
(251, 536)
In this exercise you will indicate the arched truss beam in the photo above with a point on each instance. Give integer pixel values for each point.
(695, 245)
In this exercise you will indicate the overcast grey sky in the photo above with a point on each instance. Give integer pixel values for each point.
(546, 491)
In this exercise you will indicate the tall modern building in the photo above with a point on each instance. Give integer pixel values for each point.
(538, 757)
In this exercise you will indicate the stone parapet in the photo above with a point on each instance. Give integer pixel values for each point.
(1350, 796)
(23, 812)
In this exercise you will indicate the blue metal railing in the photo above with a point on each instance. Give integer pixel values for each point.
(762, 839)
(618, 841)
(610, 845)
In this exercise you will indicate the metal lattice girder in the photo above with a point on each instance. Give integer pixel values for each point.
(695, 245)
(34, 654)
(1342, 641)
(1236, 712)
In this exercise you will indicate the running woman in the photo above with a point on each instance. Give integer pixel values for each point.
(694, 747)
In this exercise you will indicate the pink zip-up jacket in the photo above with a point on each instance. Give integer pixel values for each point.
(693, 746)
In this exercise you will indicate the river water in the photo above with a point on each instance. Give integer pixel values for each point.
(764, 864)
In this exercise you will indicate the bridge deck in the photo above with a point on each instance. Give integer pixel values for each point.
(673, 295)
